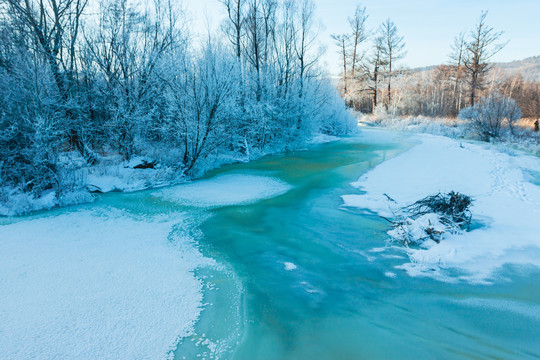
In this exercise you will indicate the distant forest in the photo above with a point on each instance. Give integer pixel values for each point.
(372, 76)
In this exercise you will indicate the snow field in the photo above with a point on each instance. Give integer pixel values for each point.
(225, 190)
(96, 285)
(505, 203)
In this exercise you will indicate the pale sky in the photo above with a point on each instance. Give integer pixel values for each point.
(428, 26)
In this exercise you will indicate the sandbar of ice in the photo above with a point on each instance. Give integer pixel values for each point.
(506, 202)
(96, 285)
(225, 190)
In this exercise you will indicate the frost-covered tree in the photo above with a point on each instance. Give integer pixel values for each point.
(457, 58)
(127, 79)
(125, 50)
(31, 132)
(393, 50)
(201, 100)
(342, 41)
(53, 28)
(481, 46)
(359, 34)
(491, 115)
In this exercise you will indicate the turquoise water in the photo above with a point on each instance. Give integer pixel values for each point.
(304, 278)
(344, 299)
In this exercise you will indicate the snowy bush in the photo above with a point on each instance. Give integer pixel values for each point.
(326, 111)
(491, 116)
(30, 132)
(380, 114)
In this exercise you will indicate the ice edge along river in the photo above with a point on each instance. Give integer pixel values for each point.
(506, 203)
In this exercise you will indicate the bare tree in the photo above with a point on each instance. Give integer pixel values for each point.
(456, 60)
(377, 62)
(371, 67)
(269, 12)
(305, 39)
(54, 26)
(235, 14)
(284, 45)
(359, 34)
(393, 47)
(481, 46)
(341, 42)
(253, 44)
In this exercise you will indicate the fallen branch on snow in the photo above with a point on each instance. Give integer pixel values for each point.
(430, 218)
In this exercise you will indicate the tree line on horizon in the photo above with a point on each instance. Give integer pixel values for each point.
(372, 79)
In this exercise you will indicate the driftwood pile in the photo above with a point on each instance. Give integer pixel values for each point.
(431, 218)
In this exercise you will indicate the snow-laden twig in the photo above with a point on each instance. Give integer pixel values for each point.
(429, 218)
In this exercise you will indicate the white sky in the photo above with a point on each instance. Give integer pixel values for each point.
(428, 26)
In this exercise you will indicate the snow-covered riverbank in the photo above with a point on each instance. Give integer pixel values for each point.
(116, 175)
(96, 284)
(507, 205)
(109, 284)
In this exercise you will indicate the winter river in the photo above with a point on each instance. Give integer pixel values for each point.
(302, 277)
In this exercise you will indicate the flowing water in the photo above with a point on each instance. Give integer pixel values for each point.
(304, 278)
(316, 284)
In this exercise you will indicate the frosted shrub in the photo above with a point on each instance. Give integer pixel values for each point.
(380, 114)
(329, 113)
(491, 116)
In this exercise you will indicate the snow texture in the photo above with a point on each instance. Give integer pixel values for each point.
(505, 203)
(225, 190)
(289, 266)
(323, 139)
(415, 230)
(20, 202)
(124, 177)
(96, 285)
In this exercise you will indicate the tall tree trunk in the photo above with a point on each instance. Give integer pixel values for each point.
(390, 81)
(375, 80)
(344, 67)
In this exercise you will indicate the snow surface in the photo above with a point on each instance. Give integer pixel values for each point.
(225, 190)
(505, 202)
(289, 266)
(124, 178)
(322, 139)
(415, 230)
(102, 284)
(101, 178)
(19, 202)
(96, 285)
